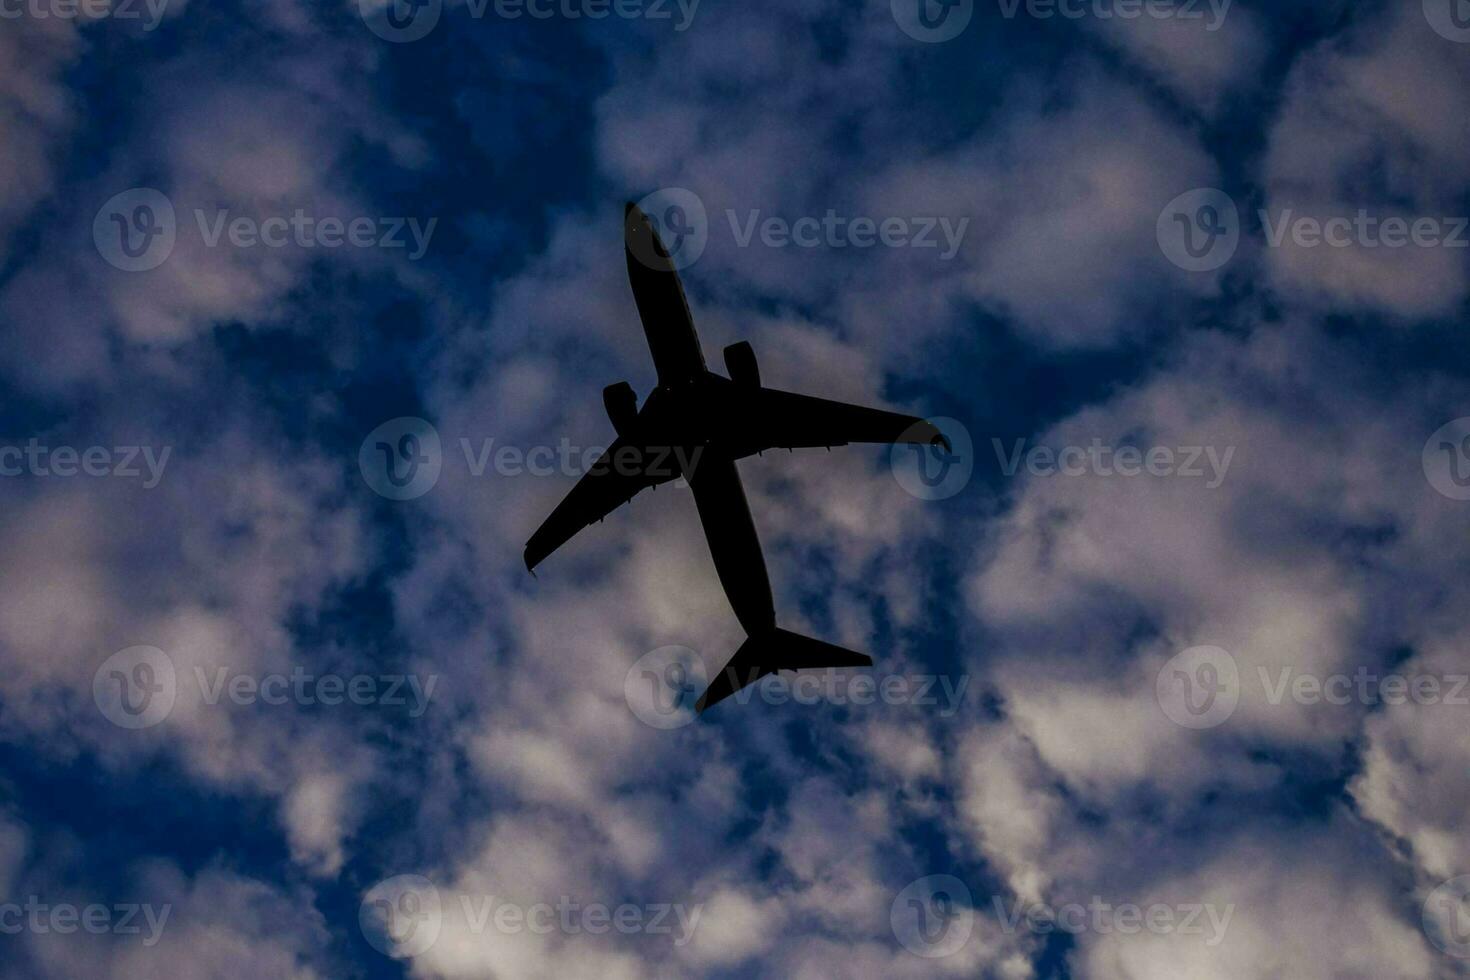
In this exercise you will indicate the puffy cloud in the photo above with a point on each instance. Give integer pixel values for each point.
(1373, 122)
(36, 112)
(1306, 904)
(791, 828)
(83, 912)
(1205, 57)
(1415, 777)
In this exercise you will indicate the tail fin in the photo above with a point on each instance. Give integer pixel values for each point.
(769, 652)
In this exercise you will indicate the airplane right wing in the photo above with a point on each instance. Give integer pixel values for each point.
(772, 419)
(625, 468)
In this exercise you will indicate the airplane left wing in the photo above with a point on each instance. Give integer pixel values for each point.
(625, 468)
(772, 419)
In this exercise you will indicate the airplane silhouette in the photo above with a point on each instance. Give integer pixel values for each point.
(706, 422)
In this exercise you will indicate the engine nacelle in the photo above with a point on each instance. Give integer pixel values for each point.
(740, 362)
(621, 404)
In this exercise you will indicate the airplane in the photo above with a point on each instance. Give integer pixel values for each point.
(706, 422)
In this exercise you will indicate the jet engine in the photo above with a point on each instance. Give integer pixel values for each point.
(740, 362)
(621, 405)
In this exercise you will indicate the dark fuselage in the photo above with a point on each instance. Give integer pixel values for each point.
(691, 407)
(691, 413)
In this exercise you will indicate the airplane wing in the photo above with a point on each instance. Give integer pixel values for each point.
(773, 419)
(624, 469)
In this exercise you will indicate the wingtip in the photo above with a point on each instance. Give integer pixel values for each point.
(938, 438)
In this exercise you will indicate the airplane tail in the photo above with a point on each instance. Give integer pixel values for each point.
(767, 653)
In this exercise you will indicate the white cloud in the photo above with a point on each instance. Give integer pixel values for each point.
(1373, 121)
(37, 111)
(1204, 58)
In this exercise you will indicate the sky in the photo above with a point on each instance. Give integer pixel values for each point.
(305, 308)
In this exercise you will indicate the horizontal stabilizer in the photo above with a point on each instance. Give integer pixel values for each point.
(777, 650)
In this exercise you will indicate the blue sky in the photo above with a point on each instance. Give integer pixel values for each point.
(1191, 628)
